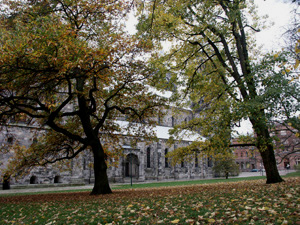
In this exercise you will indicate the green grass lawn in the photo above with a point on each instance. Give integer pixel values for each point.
(151, 185)
(242, 202)
(188, 182)
(165, 184)
(293, 174)
(193, 182)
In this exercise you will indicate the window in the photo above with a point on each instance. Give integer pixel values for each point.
(209, 162)
(148, 157)
(10, 140)
(57, 179)
(166, 158)
(173, 121)
(283, 132)
(84, 164)
(33, 180)
(158, 145)
(242, 165)
(196, 161)
(182, 164)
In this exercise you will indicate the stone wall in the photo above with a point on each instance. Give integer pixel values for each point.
(146, 161)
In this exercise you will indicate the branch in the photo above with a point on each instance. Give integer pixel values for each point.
(65, 132)
(64, 103)
(242, 145)
(256, 30)
(74, 154)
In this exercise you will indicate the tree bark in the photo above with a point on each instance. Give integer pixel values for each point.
(270, 165)
(6, 182)
(266, 150)
(101, 184)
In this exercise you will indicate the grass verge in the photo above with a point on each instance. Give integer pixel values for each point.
(160, 184)
(242, 202)
(188, 182)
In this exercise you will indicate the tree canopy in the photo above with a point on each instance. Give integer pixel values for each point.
(225, 166)
(69, 67)
(215, 65)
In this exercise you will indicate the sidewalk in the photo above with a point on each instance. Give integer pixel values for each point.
(254, 174)
(48, 189)
(89, 187)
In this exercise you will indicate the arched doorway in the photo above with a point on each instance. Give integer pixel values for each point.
(33, 180)
(57, 179)
(132, 166)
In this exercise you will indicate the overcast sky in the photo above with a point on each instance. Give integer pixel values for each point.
(280, 14)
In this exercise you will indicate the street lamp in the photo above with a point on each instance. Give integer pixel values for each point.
(130, 168)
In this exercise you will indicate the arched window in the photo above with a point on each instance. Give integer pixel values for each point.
(148, 157)
(209, 162)
(132, 166)
(84, 164)
(33, 180)
(166, 158)
(10, 140)
(173, 121)
(57, 179)
(158, 145)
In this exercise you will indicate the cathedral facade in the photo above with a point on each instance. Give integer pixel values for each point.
(145, 161)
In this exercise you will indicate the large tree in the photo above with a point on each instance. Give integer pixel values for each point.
(214, 62)
(69, 67)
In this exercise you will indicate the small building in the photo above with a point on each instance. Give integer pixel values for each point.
(286, 147)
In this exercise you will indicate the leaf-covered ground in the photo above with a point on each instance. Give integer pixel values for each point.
(246, 202)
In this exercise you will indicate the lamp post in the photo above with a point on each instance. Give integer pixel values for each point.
(130, 168)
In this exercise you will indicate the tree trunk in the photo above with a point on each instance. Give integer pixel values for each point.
(270, 165)
(6, 182)
(101, 185)
(266, 150)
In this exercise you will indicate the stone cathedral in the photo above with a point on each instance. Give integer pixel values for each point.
(146, 161)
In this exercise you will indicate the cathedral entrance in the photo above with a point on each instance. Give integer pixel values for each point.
(132, 166)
